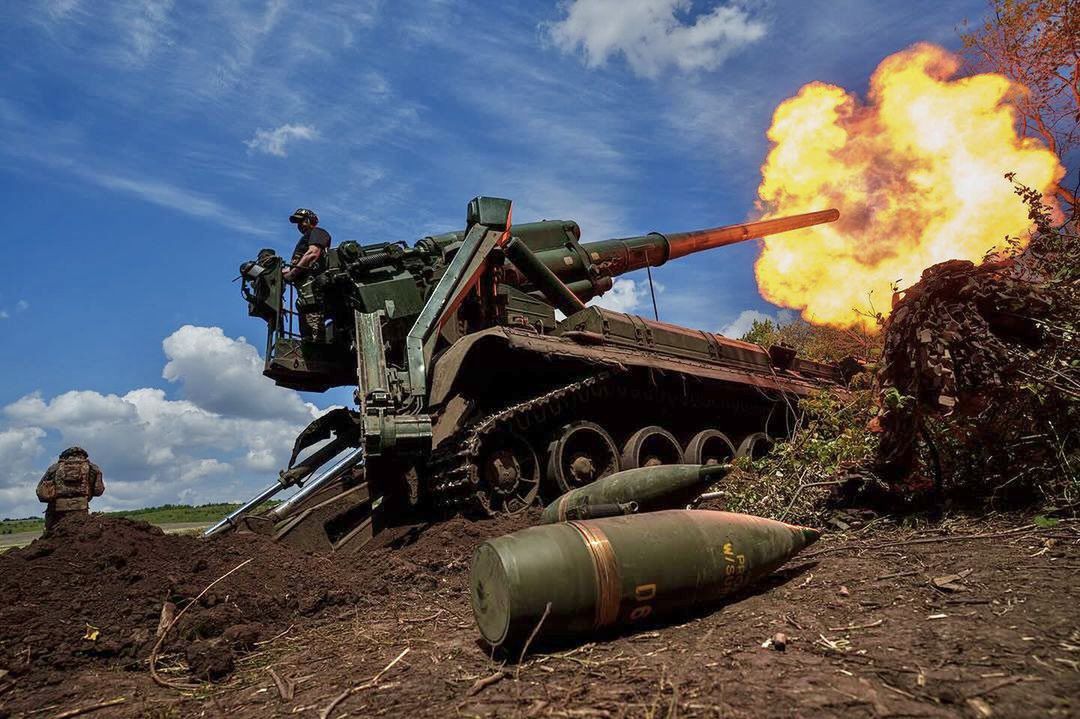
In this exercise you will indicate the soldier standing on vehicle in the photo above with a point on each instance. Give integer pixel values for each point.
(69, 485)
(306, 264)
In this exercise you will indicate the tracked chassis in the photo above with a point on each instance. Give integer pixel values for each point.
(474, 396)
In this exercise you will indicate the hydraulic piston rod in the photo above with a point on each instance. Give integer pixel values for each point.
(320, 479)
(346, 463)
(246, 508)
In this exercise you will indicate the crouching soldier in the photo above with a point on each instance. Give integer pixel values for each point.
(69, 485)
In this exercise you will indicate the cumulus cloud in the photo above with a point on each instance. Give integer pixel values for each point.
(145, 435)
(742, 324)
(627, 295)
(224, 375)
(17, 445)
(655, 34)
(20, 449)
(218, 441)
(274, 142)
(71, 408)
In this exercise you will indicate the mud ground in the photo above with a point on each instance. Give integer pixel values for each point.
(869, 633)
(21, 539)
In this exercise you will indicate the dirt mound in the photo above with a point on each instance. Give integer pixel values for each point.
(881, 621)
(94, 590)
(410, 557)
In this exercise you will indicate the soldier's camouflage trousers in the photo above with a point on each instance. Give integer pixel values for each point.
(309, 306)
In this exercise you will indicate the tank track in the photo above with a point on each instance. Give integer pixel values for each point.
(455, 483)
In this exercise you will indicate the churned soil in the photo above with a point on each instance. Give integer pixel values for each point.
(92, 593)
(962, 618)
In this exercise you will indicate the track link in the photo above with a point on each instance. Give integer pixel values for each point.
(455, 482)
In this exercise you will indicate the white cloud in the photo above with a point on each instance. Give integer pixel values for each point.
(145, 24)
(548, 196)
(202, 468)
(377, 86)
(274, 142)
(742, 324)
(224, 375)
(144, 435)
(53, 147)
(726, 120)
(136, 28)
(246, 27)
(231, 428)
(22, 306)
(214, 71)
(655, 34)
(4, 315)
(59, 9)
(627, 295)
(159, 193)
(72, 408)
(365, 175)
(20, 449)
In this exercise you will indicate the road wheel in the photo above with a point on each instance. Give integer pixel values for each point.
(709, 446)
(581, 453)
(510, 473)
(651, 446)
(755, 446)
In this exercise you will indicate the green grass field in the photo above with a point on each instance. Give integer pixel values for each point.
(165, 514)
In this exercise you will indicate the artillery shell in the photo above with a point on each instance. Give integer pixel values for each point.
(665, 486)
(596, 511)
(618, 571)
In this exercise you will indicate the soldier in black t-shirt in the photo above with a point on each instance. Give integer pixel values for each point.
(313, 243)
(306, 263)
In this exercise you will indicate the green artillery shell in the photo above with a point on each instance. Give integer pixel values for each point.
(665, 486)
(617, 571)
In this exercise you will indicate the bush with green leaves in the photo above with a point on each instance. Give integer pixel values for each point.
(830, 446)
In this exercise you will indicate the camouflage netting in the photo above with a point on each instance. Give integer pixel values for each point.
(980, 375)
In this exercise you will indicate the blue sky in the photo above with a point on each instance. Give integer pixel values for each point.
(150, 147)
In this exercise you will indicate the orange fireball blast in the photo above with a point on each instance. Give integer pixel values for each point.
(917, 174)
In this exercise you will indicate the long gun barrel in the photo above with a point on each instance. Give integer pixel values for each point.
(411, 326)
(654, 249)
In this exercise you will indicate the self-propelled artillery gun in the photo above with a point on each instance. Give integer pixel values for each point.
(483, 379)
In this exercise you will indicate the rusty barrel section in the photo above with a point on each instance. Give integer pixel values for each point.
(619, 571)
(665, 486)
(634, 253)
(681, 244)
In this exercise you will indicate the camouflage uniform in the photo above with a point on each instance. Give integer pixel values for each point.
(309, 306)
(308, 297)
(69, 485)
